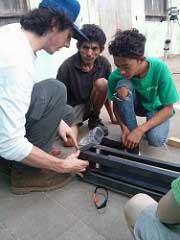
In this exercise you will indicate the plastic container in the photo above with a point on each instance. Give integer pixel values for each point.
(94, 136)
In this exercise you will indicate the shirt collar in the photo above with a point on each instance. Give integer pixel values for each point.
(77, 62)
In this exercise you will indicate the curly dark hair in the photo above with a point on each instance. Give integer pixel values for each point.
(41, 20)
(95, 34)
(129, 43)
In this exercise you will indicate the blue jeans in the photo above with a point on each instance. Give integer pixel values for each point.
(130, 106)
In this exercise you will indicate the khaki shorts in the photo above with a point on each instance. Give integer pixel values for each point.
(82, 112)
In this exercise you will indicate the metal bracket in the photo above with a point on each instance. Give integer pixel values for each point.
(128, 173)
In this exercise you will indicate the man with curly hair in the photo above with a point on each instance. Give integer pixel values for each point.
(31, 112)
(140, 86)
(85, 75)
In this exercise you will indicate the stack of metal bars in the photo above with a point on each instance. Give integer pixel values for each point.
(127, 173)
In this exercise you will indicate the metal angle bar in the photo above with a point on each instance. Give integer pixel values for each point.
(118, 163)
(150, 184)
(118, 186)
(118, 170)
(142, 159)
(132, 172)
(87, 147)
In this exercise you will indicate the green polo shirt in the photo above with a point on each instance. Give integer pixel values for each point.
(176, 189)
(156, 89)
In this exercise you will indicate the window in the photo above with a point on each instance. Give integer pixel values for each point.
(155, 9)
(11, 10)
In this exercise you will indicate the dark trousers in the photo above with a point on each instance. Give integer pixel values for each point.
(47, 108)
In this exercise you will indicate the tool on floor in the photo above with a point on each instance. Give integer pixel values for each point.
(100, 197)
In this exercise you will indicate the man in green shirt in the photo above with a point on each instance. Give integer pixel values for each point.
(140, 86)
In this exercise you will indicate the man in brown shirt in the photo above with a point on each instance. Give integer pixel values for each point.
(85, 75)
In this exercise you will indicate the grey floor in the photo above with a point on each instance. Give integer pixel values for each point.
(68, 213)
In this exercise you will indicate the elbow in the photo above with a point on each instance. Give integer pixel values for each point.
(160, 214)
(163, 216)
(170, 110)
(163, 210)
(168, 209)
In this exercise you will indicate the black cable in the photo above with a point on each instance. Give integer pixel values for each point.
(96, 200)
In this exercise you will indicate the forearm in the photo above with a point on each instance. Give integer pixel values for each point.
(40, 159)
(168, 209)
(109, 108)
(157, 119)
(117, 115)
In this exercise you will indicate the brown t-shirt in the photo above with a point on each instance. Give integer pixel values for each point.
(79, 84)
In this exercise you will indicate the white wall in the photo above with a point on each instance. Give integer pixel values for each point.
(112, 15)
(156, 31)
(138, 17)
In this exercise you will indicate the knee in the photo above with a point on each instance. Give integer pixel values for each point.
(122, 92)
(69, 115)
(133, 203)
(155, 139)
(53, 86)
(50, 89)
(58, 87)
(124, 88)
(100, 85)
(58, 91)
(135, 206)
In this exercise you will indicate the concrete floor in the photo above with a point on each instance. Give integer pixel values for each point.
(68, 213)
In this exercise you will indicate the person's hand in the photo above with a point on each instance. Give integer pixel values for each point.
(67, 134)
(74, 165)
(125, 132)
(114, 120)
(133, 138)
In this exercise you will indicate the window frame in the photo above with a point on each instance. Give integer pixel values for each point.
(23, 9)
(153, 14)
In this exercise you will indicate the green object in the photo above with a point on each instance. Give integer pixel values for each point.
(176, 189)
(156, 89)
